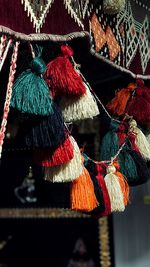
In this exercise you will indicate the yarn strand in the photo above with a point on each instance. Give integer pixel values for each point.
(8, 95)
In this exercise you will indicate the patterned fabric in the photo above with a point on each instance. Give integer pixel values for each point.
(37, 11)
(123, 35)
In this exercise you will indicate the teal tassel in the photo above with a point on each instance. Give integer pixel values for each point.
(110, 144)
(30, 91)
(128, 166)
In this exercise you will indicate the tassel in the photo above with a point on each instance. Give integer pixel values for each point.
(82, 193)
(90, 166)
(140, 140)
(118, 104)
(143, 173)
(139, 105)
(30, 92)
(127, 165)
(100, 170)
(79, 108)
(123, 183)
(63, 78)
(43, 132)
(110, 144)
(66, 172)
(112, 7)
(56, 156)
(114, 189)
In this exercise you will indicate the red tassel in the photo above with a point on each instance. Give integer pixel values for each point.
(61, 76)
(122, 133)
(54, 157)
(118, 104)
(101, 169)
(139, 105)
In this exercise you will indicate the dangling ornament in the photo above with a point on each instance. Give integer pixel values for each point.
(127, 165)
(118, 104)
(43, 131)
(113, 7)
(143, 173)
(66, 172)
(114, 189)
(56, 156)
(91, 167)
(79, 108)
(101, 171)
(82, 193)
(110, 144)
(139, 105)
(140, 140)
(30, 92)
(62, 76)
(123, 183)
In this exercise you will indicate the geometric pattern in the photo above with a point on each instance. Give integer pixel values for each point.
(37, 11)
(99, 34)
(113, 45)
(131, 38)
(75, 9)
(144, 44)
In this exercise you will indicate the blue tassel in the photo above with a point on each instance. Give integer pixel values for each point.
(110, 144)
(30, 92)
(128, 166)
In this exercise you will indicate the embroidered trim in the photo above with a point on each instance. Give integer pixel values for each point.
(44, 9)
(67, 38)
(73, 14)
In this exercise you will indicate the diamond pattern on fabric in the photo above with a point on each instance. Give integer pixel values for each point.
(144, 44)
(99, 34)
(132, 38)
(113, 45)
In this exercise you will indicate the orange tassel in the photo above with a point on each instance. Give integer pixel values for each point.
(123, 183)
(82, 193)
(118, 104)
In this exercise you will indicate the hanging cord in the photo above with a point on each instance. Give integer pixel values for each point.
(77, 66)
(2, 45)
(3, 54)
(8, 95)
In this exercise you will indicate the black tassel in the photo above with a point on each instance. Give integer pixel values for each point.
(143, 173)
(43, 132)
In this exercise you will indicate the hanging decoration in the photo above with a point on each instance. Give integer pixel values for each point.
(79, 108)
(30, 92)
(62, 76)
(66, 172)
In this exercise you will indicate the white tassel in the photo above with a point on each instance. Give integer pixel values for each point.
(114, 190)
(112, 7)
(66, 172)
(80, 108)
(141, 140)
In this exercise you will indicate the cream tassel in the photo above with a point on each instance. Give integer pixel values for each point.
(114, 190)
(66, 172)
(79, 108)
(141, 140)
(112, 7)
